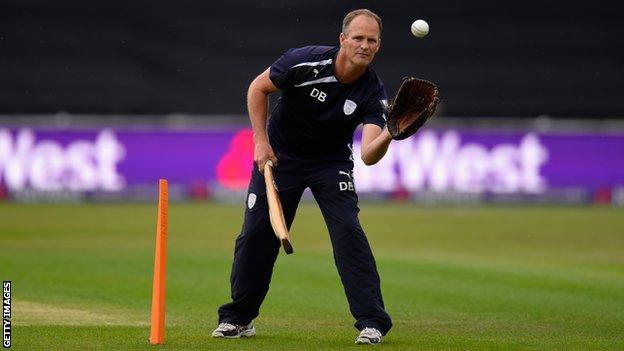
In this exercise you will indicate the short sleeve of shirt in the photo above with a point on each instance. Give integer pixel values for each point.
(281, 72)
(375, 110)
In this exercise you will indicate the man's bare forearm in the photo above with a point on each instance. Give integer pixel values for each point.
(257, 105)
(375, 150)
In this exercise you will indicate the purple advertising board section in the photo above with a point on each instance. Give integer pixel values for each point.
(574, 160)
(584, 160)
(181, 156)
(186, 156)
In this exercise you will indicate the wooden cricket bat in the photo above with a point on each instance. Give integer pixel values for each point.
(276, 214)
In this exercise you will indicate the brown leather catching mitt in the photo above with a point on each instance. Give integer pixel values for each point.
(415, 101)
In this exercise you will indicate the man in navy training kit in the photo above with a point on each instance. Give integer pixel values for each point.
(326, 93)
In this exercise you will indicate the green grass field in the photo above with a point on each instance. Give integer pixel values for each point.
(483, 278)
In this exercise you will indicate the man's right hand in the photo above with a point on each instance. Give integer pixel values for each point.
(262, 153)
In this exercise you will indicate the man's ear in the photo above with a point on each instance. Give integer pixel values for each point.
(342, 38)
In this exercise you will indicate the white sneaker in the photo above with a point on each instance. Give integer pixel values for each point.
(369, 336)
(231, 331)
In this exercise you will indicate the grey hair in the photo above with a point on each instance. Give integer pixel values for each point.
(351, 15)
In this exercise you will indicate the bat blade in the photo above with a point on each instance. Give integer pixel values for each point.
(276, 214)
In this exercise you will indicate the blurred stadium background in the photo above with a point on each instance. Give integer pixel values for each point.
(100, 99)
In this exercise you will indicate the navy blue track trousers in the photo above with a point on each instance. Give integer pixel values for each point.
(257, 247)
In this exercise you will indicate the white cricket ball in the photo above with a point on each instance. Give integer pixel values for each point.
(420, 28)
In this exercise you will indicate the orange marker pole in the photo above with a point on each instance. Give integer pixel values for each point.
(159, 288)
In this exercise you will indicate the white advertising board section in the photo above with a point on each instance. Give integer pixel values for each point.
(441, 162)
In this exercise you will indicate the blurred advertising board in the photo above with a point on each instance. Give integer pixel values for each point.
(436, 165)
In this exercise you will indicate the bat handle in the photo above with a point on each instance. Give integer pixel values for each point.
(268, 170)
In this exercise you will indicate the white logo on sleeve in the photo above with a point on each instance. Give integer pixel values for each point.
(349, 107)
(384, 104)
(251, 200)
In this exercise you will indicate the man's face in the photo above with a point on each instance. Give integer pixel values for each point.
(362, 41)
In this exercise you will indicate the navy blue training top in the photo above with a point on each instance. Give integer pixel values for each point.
(317, 115)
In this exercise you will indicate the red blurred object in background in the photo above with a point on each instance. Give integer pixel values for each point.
(602, 196)
(3, 192)
(199, 190)
(401, 194)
